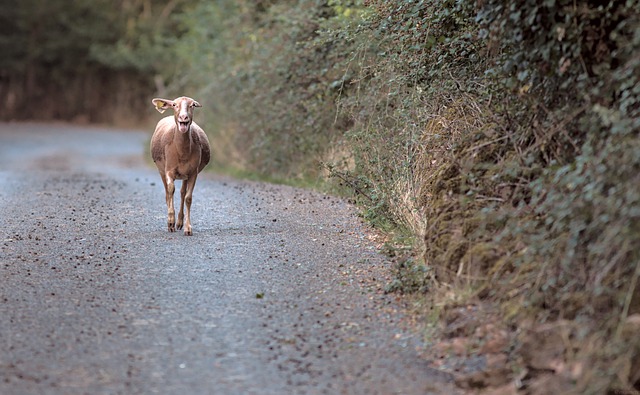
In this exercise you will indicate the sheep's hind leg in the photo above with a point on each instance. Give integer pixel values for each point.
(183, 194)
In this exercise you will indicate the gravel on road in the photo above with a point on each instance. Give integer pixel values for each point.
(279, 290)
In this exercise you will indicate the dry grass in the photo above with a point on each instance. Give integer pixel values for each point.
(477, 235)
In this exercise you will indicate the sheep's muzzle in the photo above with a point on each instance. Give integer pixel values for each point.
(183, 126)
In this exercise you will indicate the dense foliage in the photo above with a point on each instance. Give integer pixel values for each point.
(84, 60)
(502, 134)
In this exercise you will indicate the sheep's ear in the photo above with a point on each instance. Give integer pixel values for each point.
(196, 104)
(162, 104)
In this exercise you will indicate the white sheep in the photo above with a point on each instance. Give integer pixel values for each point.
(180, 150)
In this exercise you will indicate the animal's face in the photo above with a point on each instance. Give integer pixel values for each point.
(182, 110)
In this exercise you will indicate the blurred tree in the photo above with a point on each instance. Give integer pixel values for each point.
(81, 58)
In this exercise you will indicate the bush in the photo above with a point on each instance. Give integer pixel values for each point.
(271, 83)
(510, 144)
(502, 135)
(91, 61)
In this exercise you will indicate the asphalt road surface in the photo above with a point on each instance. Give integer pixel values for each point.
(277, 292)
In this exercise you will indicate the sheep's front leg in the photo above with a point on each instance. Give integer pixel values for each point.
(187, 197)
(183, 193)
(171, 212)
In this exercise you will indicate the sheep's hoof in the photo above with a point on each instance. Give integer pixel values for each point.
(171, 227)
(188, 233)
(179, 226)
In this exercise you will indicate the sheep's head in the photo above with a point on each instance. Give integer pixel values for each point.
(182, 110)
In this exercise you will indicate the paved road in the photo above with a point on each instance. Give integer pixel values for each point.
(277, 292)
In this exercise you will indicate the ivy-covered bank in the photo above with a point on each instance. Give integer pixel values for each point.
(502, 135)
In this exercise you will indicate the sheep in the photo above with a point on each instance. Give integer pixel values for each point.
(180, 149)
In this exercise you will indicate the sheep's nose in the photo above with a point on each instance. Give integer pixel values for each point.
(183, 117)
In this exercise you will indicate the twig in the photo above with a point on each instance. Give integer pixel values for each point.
(627, 302)
(351, 184)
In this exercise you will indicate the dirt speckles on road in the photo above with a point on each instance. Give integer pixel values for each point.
(97, 297)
